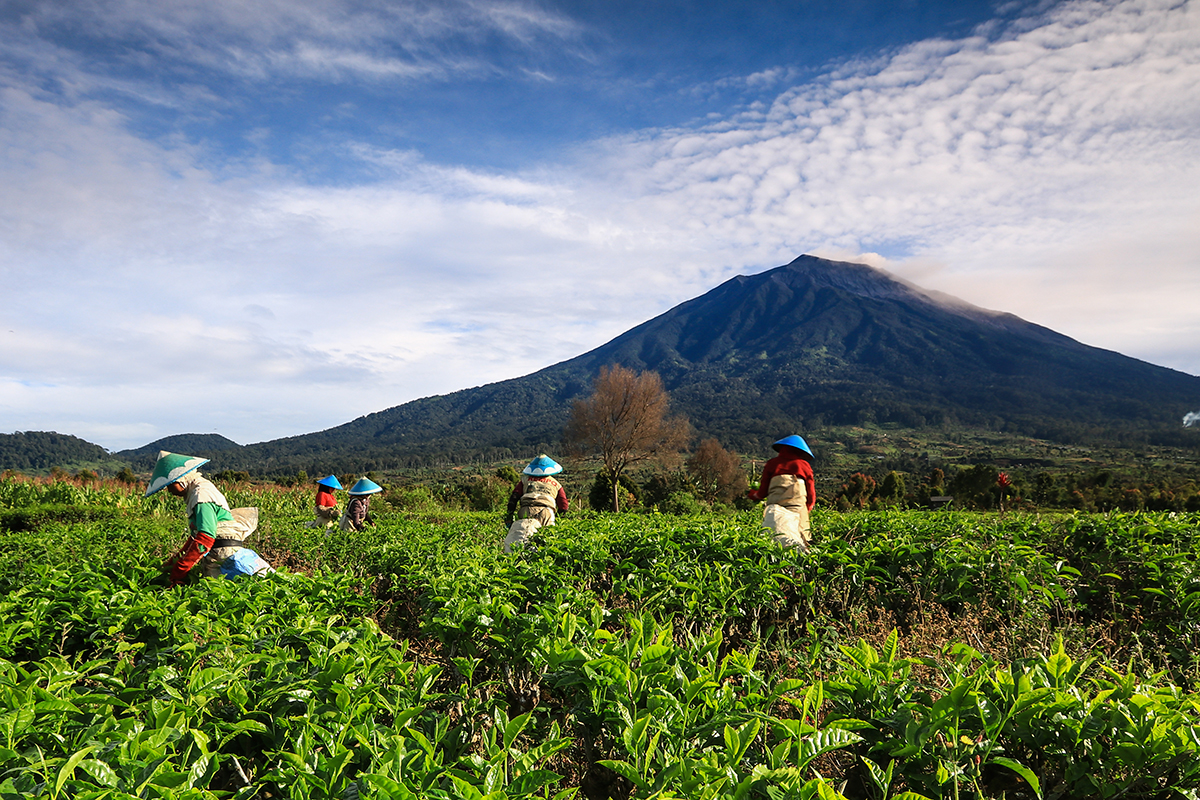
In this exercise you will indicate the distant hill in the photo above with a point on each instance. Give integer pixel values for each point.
(39, 451)
(811, 344)
(205, 445)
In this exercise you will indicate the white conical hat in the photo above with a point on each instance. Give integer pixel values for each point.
(169, 468)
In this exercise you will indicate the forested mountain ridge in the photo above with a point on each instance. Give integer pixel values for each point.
(819, 342)
(43, 450)
(810, 344)
(205, 445)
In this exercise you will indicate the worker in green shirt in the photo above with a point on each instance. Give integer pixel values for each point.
(216, 531)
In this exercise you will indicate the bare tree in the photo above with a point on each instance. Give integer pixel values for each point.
(717, 472)
(625, 421)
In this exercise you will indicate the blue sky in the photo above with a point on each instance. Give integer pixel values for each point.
(267, 219)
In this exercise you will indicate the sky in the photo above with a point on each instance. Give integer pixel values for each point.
(267, 219)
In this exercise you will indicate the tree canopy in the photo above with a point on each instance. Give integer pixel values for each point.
(625, 421)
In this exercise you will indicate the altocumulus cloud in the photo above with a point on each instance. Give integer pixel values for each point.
(1048, 162)
(160, 287)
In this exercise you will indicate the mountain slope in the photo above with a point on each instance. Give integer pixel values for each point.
(830, 342)
(205, 445)
(42, 450)
(798, 347)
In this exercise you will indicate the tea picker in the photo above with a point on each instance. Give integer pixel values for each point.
(326, 503)
(534, 500)
(788, 487)
(217, 532)
(357, 516)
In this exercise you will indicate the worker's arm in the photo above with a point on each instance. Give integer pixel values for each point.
(204, 524)
(764, 483)
(514, 500)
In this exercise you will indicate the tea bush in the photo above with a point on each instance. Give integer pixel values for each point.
(909, 654)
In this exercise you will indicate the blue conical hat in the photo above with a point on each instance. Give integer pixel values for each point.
(796, 442)
(365, 486)
(332, 482)
(543, 465)
(169, 468)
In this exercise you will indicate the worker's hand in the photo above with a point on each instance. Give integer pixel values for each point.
(508, 520)
(164, 572)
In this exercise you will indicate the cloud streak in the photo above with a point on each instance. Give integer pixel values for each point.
(1003, 156)
(310, 39)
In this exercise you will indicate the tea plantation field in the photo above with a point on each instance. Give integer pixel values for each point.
(910, 654)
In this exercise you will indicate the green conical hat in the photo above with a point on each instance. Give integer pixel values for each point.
(169, 468)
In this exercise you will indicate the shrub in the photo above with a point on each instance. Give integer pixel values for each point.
(413, 498)
(488, 493)
(600, 496)
(682, 503)
(717, 472)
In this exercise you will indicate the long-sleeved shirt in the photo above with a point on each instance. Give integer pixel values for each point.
(206, 507)
(788, 462)
(357, 510)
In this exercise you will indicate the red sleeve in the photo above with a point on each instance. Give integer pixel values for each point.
(195, 549)
(781, 466)
(810, 485)
(561, 500)
(515, 498)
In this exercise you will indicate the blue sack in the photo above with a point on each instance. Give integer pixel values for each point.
(245, 562)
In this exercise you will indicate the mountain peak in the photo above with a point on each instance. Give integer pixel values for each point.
(865, 281)
(861, 279)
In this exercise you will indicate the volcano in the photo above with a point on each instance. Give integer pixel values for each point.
(808, 345)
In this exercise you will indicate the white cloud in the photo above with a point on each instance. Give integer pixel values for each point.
(1047, 170)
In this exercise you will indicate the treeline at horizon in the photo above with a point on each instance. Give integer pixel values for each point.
(680, 490)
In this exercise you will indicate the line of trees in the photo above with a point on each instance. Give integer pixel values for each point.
(626, 425)
(40, 450)
(985, 487)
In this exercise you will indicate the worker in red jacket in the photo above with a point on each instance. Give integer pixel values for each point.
(325, 503)
(789, 489)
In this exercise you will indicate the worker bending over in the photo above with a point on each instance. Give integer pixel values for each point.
(534, 500)
(216, 532)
